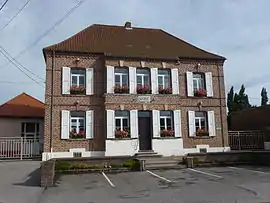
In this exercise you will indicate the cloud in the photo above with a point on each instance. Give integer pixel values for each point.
(237, 29)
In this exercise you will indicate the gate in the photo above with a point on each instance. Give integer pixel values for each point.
(246, 140)
(19, 148)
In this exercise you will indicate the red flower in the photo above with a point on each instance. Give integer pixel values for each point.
(167, 133)
(200, 93)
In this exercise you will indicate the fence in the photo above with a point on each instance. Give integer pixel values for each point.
(19, 148)
(246, 140)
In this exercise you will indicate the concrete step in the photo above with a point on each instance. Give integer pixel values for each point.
(164, 166)
(147, 154)
(160, 161)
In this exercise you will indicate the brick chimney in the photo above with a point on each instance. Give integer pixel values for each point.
(128, 26)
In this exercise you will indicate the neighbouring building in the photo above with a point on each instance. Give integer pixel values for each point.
(121, 90)
(21, 119)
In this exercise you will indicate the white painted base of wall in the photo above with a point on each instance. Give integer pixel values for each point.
(168, 147)
(51, 155)
(121, 147)
(267, 145)
(209, 149)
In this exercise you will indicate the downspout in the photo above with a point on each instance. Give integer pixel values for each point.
(52, 82)
(221, 115)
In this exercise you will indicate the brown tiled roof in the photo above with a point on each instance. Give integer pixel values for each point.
(117, 41)
(22, 105)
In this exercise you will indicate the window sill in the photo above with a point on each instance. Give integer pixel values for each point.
(79, 139)
(202, 137)
(121, 139)
(166, 138)
(75, 95)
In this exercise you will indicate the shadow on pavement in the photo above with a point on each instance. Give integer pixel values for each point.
(33, 179)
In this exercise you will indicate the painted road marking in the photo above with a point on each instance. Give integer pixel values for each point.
(205, 173)
(158, 176)
(255, 171)
(107, 178)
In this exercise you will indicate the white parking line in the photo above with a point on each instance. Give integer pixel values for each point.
(156, 175)
(108, 179)
(251, 170)
(205, 173)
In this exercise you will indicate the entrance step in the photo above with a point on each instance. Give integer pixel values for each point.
(147, 154)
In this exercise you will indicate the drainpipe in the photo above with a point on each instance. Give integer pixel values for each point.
(221, 116)
(52, 82)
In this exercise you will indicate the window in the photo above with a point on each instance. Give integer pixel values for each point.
(164, 78)
(143, 81)
(77, 124)
(30, 130)
(198, 82)
(166, 123)
(77, 81)
(201, 123)
(121, 80)
(122, 124)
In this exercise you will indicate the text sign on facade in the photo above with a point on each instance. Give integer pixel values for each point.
(143, 99)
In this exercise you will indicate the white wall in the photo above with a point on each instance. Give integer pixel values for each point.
(121, 147)
(168, 147)
(209, 149)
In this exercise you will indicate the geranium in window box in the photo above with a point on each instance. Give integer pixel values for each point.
(143, 89)
(79, 135)
(166, 133)
(202, 132)
(200, 93)
(121, 133)
(121, 89)
(77, 90)
(167, 90)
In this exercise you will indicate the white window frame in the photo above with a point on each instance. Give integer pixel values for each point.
(77, 76)
(77, 118)
(142, 77)
(121, 75)
(200, 118)
(198, 81)
(121, 122)
(34, 135)
(163, 80)
(165, 121)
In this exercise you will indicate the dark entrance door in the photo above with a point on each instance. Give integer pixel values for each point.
(145, 130)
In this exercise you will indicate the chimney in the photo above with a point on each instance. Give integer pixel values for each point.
(128, 26)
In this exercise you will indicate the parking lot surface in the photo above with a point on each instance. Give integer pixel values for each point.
(199, 185)
(20, 182)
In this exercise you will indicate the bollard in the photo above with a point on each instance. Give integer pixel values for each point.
(190, 162)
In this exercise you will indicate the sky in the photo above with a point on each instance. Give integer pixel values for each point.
(236, 29)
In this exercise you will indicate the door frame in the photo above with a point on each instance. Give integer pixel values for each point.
(151, 128)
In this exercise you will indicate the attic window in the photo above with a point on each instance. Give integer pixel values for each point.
(128, 26)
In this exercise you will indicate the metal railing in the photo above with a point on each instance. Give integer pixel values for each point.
(19, 148)
(246, 140)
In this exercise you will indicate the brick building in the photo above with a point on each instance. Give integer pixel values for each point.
(119, 90)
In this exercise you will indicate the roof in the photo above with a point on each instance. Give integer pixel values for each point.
(117, 41)
(23, 105)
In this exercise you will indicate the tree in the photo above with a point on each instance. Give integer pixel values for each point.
(230, 100)
(264, 97)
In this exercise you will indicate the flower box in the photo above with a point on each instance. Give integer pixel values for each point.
(122, 134)
(200, 93)
(166, 133)
(202, 132)
(143, 89)
(167, 90)
(77, 90)
(121, 89)
(75, 135)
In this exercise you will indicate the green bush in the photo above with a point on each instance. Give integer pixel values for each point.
(62, 165)
(133, 164)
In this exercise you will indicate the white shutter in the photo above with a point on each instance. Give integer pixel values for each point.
(65, 80)
(175, 81)
(154, 82)
(177, 123)
(191, 123)
(89, 124)
(134, 123)
(156, 124)
(110, 79)
(209, 84)
(110, 124)
(211, 123)
(89, 81)
(132, 80)
(190, 91)
(65, 119)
